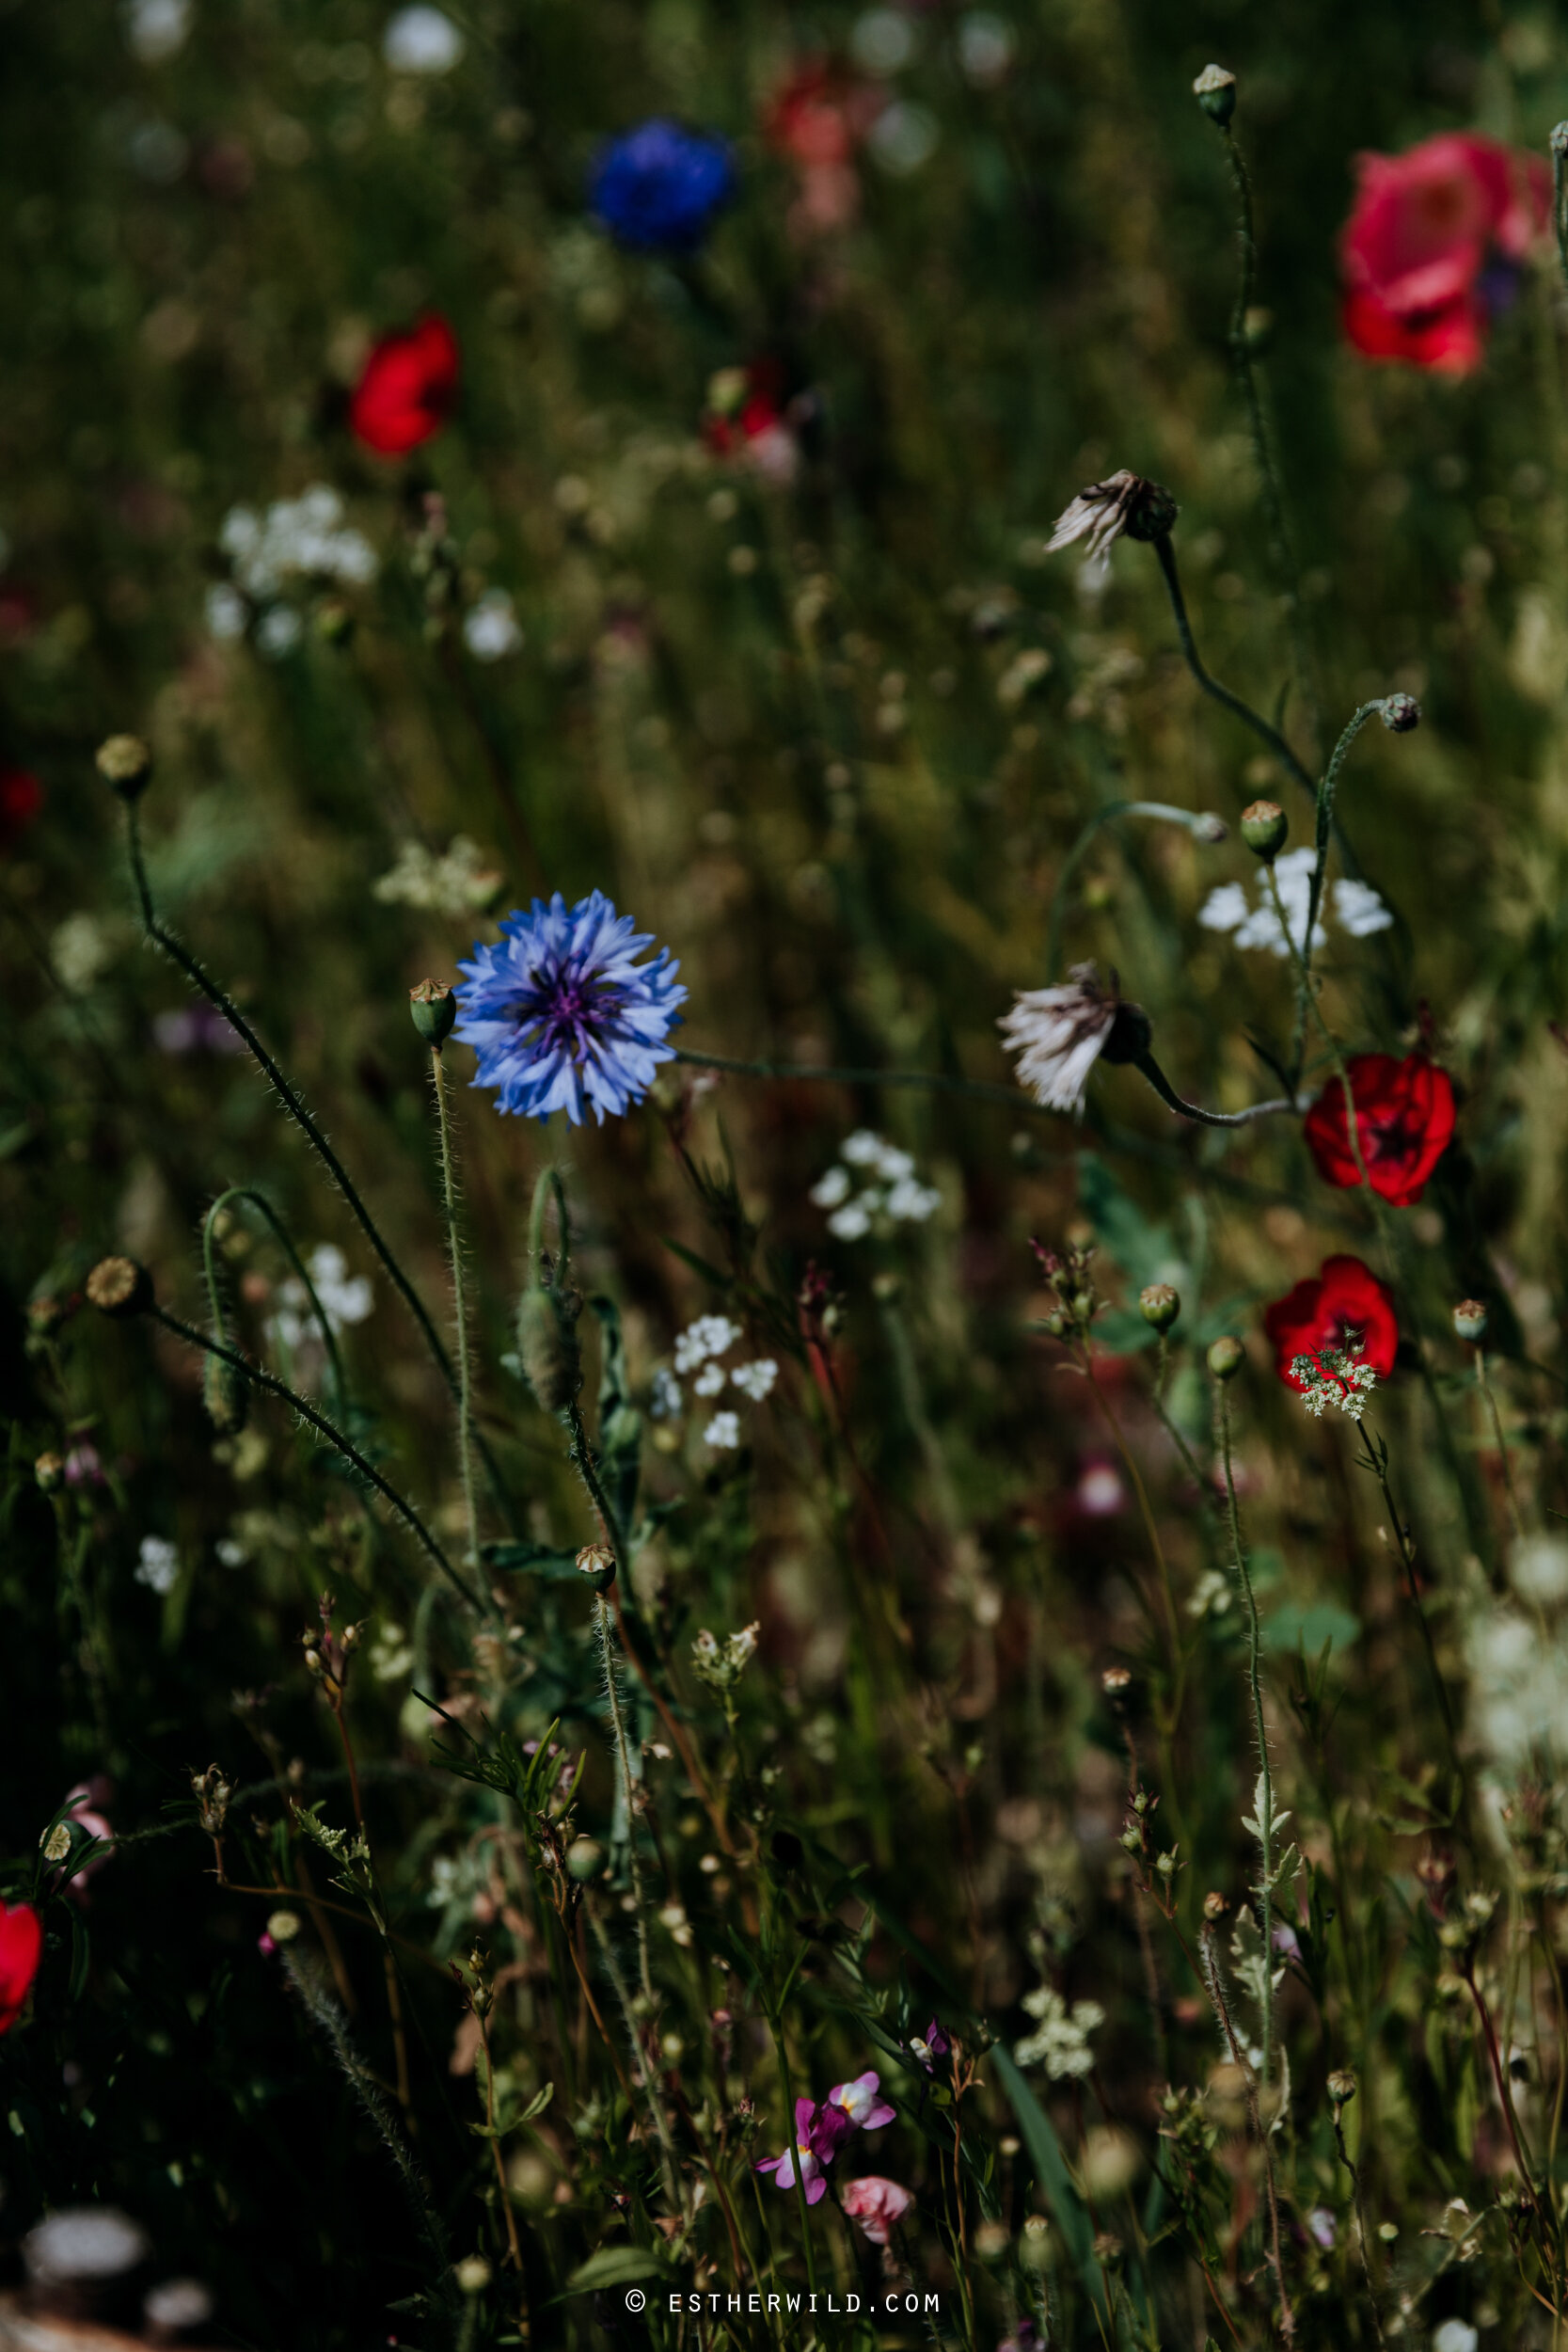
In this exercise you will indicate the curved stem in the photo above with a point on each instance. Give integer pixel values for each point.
(1201, 826)
(221, 1002)
(1162, 1087)
(350, 1454)
(1265, 1804)
(1259, 726)
(1484, 1384)
(280, 1234)
(460, 1308)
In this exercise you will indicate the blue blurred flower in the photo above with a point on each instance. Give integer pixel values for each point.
(562, 1015)
(658, 187)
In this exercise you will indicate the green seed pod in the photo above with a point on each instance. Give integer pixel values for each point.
(1215, 92)
(1265, 829)
(1469, 1321)
(1159, 1306)
(548, 1348)
(226, 1393)
(433, 1009)
(1226, 1357)
(125, 764)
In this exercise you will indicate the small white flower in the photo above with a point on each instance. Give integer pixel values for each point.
(709, 1380)
(457, 882)
(157, 1565)
(231, 1554)
(862, 1149)
(1538, 1569)
(710, 1335)
(664, 1396)
(1362, 911)
(757, 1380)
(490, 631)
(226, 613)
(279, 631)
(156, 29)
(1454, 2335)
(831, 1190)
(893, 1166)
(421, 41)
(1058, 1034)
(912, 1203)
(852, 1222)
(1061, 2043)
(723, 1431)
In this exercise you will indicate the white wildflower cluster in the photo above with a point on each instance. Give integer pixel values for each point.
(1518, 1690)
(890, 1192)
(490, 627)
(459, 881)
(157, 1565)
(1060, 2043)
(698, 1349)
(293, 539)
(390, 1654)
(1334, 1376)
(1210, 1596)
(1250, 916)
(345, 1298)
(720, 1664)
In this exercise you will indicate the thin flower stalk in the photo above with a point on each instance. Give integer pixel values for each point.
(1265, 1820)
(1213, 1985)
(297, 1266)
(460, 1308)
(1233, 702)
(1484, 1384)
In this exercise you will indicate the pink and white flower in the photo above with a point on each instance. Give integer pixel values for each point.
(863, 2102)
(877, 2204)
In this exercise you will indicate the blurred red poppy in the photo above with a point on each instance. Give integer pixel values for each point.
(1347, 1307)
(20, 799)
(21, 1945)
(407, 388)
(1403, 1123)
(1433, 247)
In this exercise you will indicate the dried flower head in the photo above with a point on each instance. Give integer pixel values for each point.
(125, 764)
(1058, 1034)
(118, 1286)
(720, 1664)
(1124, 505)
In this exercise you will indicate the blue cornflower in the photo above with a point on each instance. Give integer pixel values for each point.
(659, 186)
(562, 1015)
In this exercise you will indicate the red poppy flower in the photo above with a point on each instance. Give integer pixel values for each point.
(21, 1944)
(1346, 1307)
(406, 389)
(1403, 1120)
(20, 799)
(1433, 246)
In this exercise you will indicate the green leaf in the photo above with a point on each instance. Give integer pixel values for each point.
(537, 2104)
(1045, 2152)
(615, 2266)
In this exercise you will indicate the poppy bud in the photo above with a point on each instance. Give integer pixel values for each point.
(1226, 1356)
(597, 1560)
(1264, 828)
(1115, 1680)
(120, 1287)
(1400, 713)
(584, 1859)
(1159, 1306)
(433, 1009)
(1469, 1321)
(125, 764)
(226, 1393)
(1215, 92)
(548, 1349)
(1342, 2086)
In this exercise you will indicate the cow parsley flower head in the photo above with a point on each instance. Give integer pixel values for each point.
(562, 1015)
(1060, 2043)
(1336, 1376)
(1254, 923)
(891, 1193)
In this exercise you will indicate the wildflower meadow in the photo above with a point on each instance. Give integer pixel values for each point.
(784, 848)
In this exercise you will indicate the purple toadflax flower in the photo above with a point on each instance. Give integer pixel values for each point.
(863, 2102)
(562, 1015)
(818, 2131)
(935, 2045)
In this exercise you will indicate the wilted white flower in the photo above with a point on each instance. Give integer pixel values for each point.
(755, 1380)
(710, 1335)
(1058, 1034)
(1060, 2043)
(1123, 505)
(457, 882)
(157, 1565)
(421, 41)
(722, 1432)
(490, 630)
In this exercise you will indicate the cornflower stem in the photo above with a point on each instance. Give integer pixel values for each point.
(1360, 2220)
(221, 1002)
(272, 1385)
(1282, 554)
(1484, 1384)
(1255, 1681)
(973, 1090)
(280, 1234)
(1233, 702)
(460, 1312)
